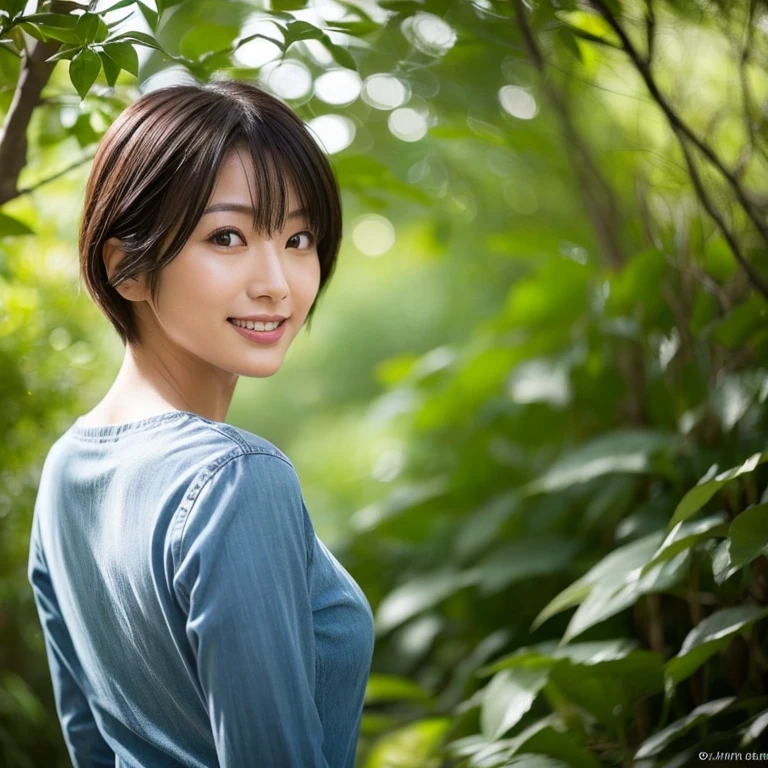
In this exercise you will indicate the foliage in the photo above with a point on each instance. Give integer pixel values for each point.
(568, 566)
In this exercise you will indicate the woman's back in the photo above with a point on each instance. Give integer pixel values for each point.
(192, 617)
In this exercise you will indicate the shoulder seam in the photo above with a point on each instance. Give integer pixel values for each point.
(203, 478)
(233, 436)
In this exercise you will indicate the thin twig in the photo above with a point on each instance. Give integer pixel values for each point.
(598, 198)
(650, 32)
(680, 127)
(58, 174)
(717, 217)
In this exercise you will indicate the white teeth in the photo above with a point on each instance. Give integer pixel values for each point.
(256, 325)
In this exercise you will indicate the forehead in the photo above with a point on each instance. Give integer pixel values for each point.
(236, 180)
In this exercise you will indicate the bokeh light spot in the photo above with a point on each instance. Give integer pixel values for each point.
(518, 102)
(407, 124)
(384, 91)
(339, 87)
(373, 235)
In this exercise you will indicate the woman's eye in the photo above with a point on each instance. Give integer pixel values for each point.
(308, 241)
(222, 236)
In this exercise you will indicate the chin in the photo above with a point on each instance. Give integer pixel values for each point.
(260, 371)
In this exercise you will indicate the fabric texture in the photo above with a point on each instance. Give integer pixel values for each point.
(191, 615)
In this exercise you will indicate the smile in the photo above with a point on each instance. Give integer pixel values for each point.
(269, 336)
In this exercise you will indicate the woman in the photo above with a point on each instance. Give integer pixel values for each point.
(191, 615)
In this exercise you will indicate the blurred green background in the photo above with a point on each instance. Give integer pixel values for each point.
(530, 415)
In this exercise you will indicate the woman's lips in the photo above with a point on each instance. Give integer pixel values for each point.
(260, 337)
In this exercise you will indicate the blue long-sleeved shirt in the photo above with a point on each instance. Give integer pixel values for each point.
(191, 615)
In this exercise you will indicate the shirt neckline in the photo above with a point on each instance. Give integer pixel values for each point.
(116, 430)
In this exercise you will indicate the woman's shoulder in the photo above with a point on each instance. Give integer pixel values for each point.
(249, 442)
(178, 449)
(246, 456)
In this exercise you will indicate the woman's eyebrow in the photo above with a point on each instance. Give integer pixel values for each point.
(247, 209)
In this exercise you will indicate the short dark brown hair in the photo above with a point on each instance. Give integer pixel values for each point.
(155, 170)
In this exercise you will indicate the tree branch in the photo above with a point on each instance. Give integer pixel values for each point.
(34, 187)
(35, 73)
(717, 217)
(746, 98)
(599, 200)
(679, 126)
(650, 31)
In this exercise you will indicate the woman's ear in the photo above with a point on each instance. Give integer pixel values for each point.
(112, 253)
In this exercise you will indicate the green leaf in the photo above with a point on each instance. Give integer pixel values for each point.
(508, 696)
(83, 71)
(606, 600)
(357, 29)
(374, 724)
(150, 15)
(685, 535)
(164, 5)
(570, 43)
(356, 9)
(708, 486)
(207, 38)
(296, 31)
(83, 130)
(111, 70)
(524, 558)
(748, 535)
(622, 451)
(734, 393)
(550, 737)
(140, 38)
(611, 571)
(10, 227)
(14, 7)
(534, 761)
(117, 6)
(710, 636)
(124, 55)
(619, 659)
(392, 687)
(361, 173)
(302, 30)
(58, 20)
(658, 741)
(755, 729)
(600, 695)
(403, 497)
(50, 26)
(405, 7)
(65, 52)
(482, 525)
(418, 594)
(288, 5)
(413, 744)
(91, 28)
(10, 66)
(721, 562)
(734, 330)
(591, 23)
(341, 55)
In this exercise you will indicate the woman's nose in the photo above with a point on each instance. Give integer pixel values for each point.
(267, 274)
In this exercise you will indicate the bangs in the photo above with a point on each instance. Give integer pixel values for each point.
(279, 164)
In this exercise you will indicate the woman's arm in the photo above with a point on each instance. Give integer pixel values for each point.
(241, 578)
(86, 745)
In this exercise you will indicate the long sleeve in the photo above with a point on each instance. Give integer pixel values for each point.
(86, 746)
(241, 577)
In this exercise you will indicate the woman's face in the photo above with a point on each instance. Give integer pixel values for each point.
(227, 271)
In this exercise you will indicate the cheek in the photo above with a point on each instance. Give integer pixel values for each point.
(194, 283)
(307, 280)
